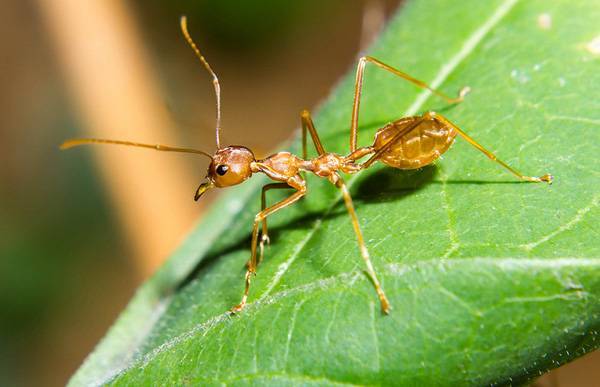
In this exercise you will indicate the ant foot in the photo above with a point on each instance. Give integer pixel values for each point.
(548, 178)
(385, 304)
(463, 92)
(238, 308)
(265, 239)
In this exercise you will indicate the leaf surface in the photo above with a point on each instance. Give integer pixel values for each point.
(491, 281)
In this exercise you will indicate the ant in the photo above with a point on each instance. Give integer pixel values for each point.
(407, 143)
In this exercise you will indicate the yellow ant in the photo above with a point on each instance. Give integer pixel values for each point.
(407, 143)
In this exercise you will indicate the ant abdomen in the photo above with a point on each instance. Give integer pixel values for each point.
(416, 148)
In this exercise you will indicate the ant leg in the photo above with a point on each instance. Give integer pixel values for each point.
(295, 182)
(307, 124)
(264, 237)
(545, 178)
(360, 153)
(358, 91)
(389, 144)
(385, 304)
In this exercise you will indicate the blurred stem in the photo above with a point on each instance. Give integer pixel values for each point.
(117, 96)
(373, 20)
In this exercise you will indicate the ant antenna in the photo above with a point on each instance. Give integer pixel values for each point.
(186, 34)
(82, 141)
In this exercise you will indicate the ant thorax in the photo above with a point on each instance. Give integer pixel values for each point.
(326, 164)
(284, 164)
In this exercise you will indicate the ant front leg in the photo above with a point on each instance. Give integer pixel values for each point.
(358, 91)
(264, 237)
(294, 182)
(547, 178)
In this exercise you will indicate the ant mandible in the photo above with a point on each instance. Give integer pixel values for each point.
(407, 143)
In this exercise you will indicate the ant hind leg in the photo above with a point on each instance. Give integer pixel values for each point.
(547, 178)
(358, 91)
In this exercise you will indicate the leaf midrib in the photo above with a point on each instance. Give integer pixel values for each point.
(445, 71)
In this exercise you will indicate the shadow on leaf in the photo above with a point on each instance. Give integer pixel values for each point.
(381, 185)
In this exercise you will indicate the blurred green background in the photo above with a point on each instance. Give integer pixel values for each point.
(74, 246)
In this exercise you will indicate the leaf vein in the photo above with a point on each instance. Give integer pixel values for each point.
(375, 336)
(291, 332)
(565, 227)
(467, 48)
(349, 278)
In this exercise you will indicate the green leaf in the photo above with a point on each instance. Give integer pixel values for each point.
(492, 281)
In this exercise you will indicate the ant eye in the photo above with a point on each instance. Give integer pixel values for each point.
(222, 169)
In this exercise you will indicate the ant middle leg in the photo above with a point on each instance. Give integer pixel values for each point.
(433, 116)
(300, 186)
(339, 182)
(358, 91)
(308, 125)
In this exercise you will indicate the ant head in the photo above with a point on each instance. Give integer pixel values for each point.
(230, 166)
(233, 164)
